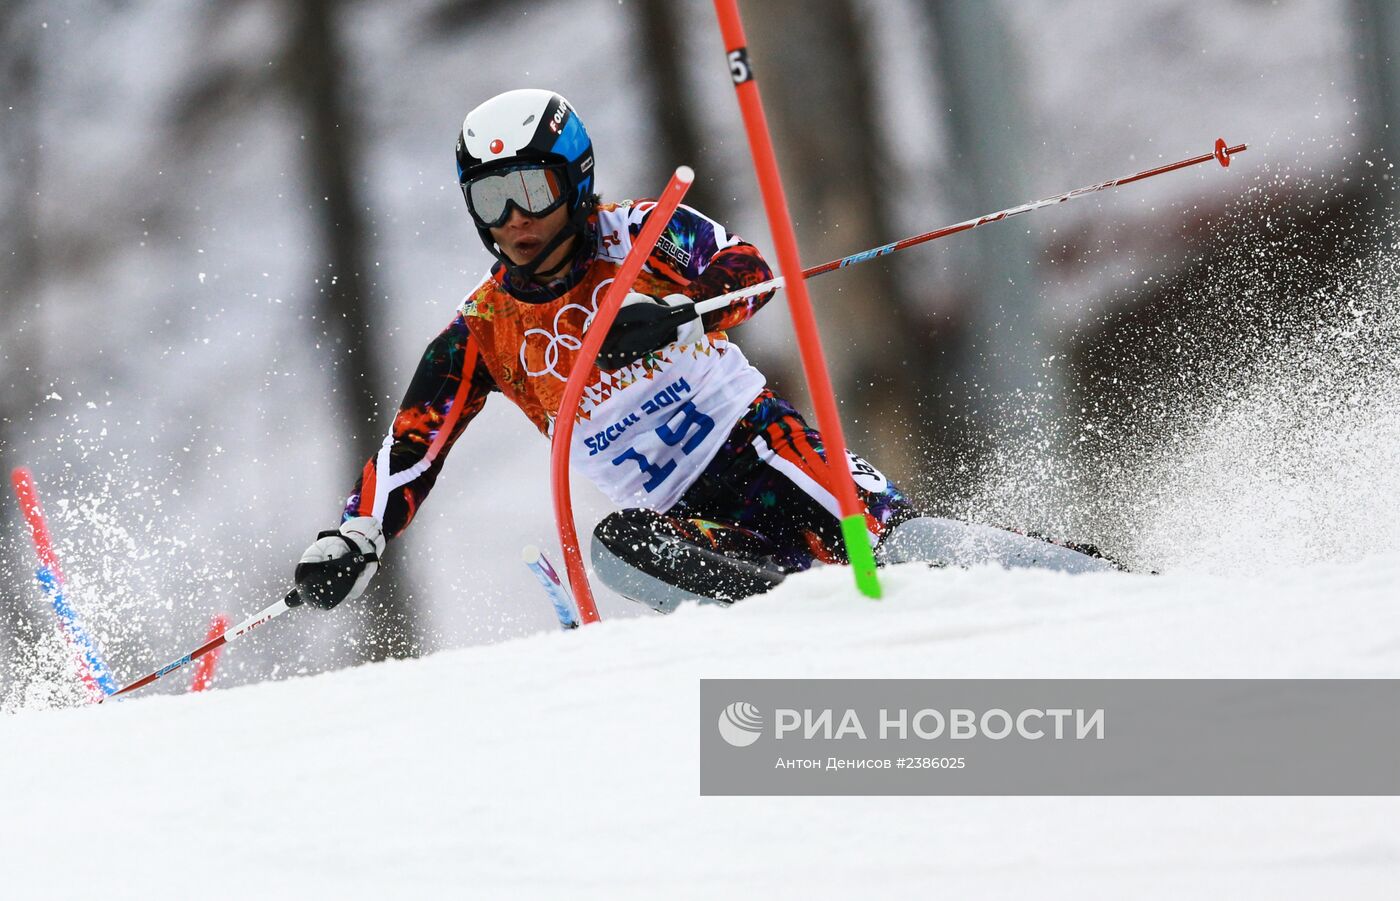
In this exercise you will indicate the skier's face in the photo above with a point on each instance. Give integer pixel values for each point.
(522, 237)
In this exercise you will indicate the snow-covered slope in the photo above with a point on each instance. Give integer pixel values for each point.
(567, 765)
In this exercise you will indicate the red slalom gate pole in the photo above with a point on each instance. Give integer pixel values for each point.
(627, 273)
(204, 672)
(853, 520)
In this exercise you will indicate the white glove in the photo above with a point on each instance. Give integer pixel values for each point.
(340, 562)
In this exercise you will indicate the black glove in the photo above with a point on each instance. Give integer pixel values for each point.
(340, 562)
(645, 324)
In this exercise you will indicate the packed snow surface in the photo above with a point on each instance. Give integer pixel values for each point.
(567, 764)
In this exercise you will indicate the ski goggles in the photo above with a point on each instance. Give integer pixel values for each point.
(534, 190)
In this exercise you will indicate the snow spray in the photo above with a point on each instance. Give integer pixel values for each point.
(91, 668)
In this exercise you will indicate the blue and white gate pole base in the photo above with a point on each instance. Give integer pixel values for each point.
(94, 670)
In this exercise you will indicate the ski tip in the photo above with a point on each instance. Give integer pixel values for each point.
(530, 554)
(685, 174)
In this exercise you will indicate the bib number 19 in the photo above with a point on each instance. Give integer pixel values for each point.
(687, 434)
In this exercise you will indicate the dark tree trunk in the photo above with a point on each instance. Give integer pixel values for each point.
(321, 83)
(672, 131)
(19, 280)
(1376, 39)
(813, 63)
(981, 79)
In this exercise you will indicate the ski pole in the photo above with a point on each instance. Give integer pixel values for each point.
(257, 619)
(1221, 154)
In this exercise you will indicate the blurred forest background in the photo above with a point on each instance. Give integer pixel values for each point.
(229, 228)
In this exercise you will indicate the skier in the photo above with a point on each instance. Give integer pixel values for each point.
(723, 487)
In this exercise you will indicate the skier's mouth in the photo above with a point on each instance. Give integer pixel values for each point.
(528, 247)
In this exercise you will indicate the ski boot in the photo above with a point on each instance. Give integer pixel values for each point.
(661, 560)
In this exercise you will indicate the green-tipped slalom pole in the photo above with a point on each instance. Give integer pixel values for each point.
(770, 184)
(857, 535)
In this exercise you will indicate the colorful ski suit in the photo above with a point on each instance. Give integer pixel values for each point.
(645, 434)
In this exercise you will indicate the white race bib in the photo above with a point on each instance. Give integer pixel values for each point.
(646, 444)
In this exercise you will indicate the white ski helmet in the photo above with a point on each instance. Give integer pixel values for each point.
(527, 129)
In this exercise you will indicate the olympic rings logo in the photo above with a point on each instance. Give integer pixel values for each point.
(557, 341)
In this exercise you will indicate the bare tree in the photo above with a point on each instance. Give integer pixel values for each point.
(321, 85)
(1376, 39)
(886, 359)
(315, 76)
(19, 280)
(979, 73)
(673, 128)
(449, 18)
